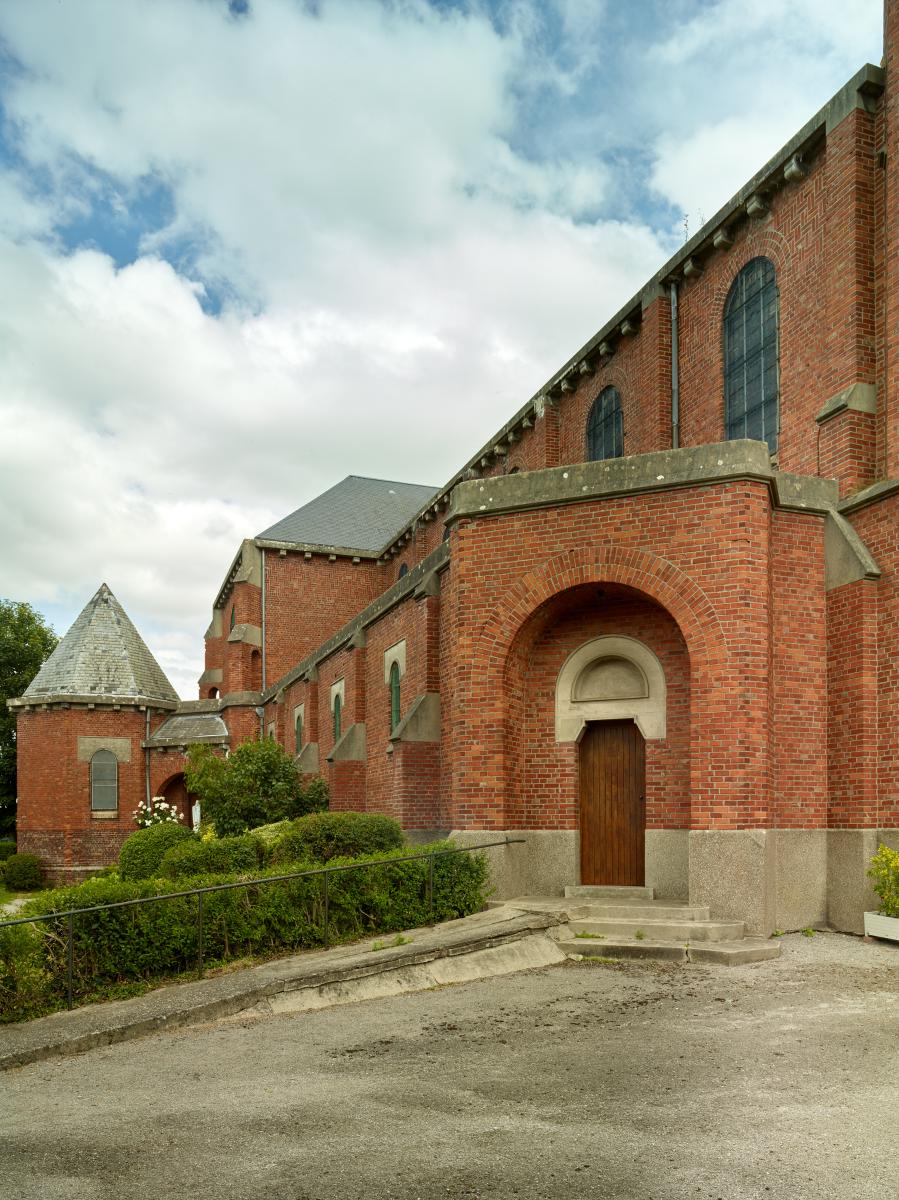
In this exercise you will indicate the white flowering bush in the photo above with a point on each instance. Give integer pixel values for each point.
(156, 812)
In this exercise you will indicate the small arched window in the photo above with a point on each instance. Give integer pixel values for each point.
(605, 432)
(751, 372)
(337, 708)
(394, 695)
(298, 733)
(446, 533)
(404, 570)
(104, 782)
(233, 618)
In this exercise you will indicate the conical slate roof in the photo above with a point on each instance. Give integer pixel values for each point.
(102, 655)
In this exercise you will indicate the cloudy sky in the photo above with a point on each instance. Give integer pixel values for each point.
(249, 248)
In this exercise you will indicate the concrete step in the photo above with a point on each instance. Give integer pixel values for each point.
(662, 931)
(651, 910)
(583, 891)
(730, 954)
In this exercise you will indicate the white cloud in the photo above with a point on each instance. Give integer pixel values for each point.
(414, 268)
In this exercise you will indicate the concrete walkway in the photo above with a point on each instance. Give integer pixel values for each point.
(495, 942)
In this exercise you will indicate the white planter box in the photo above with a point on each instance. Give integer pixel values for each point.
(879, 926)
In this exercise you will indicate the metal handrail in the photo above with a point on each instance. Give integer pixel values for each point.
(69, 914)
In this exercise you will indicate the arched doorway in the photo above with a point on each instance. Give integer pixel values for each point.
(598, 678)
(174, 791)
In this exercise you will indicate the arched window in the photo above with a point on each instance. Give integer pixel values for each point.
(605, 433)
(298, 733)
(104, 782)
(233, 617)
(751, 375)
(337, 708)
(394, 695)
(404, 570)
(446, 533)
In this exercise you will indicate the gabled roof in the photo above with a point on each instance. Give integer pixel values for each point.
(102, 655)
(356, 514)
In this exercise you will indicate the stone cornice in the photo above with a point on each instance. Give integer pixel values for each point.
(658, 471)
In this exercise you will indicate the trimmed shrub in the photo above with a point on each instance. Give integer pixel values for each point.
(321, 837)
(238, 856)
(270, 833)
(142, 854)
(151, 941)
(884, 872)
(23, 873)
(256, 784)
(6, 848)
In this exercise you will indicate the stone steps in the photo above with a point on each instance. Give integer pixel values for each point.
(672, 929)
(594, 892)
(628, 922)
(652, 910)
(731, 954)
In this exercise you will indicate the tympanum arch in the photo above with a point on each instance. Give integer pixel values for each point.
(611, 679)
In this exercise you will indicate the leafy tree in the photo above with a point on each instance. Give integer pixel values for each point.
(26, 640)
(256, 785)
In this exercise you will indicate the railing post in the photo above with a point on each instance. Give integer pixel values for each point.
(70, 958)
(431, 888)
(326, 933)
(200, 935)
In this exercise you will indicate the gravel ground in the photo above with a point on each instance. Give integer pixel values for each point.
(642, 1081)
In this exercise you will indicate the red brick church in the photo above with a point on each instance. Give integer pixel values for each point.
(652, 626)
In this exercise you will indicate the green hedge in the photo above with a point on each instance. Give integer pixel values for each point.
(321, 837)
(23, 873)
(151, 941)
(142, 853)
(7, 847)
(244, 855)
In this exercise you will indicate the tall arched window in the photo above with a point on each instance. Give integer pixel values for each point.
(298, 733)
(337, 707)
(605, 433)
(104, 782)
(751, 375)
(233, 618)
(394, 695)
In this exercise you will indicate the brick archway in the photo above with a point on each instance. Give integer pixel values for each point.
(481, 771)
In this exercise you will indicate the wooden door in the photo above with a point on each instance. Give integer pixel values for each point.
(613, 805)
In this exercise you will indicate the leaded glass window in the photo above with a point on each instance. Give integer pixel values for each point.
(605, 432)
(298, 732)
(394, 696)
(337, 707)
(751, 373)
(104, 782)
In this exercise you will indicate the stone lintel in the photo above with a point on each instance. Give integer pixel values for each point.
(422, 722)
(858, 397)
(119, 746)
(350, 746)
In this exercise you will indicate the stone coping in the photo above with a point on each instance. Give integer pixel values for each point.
(93, 701)
(657, 471)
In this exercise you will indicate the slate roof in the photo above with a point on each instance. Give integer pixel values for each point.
(356, 514)
(102, 655)
(187, 729)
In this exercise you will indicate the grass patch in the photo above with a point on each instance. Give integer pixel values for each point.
(583, 934)
(399, 940)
